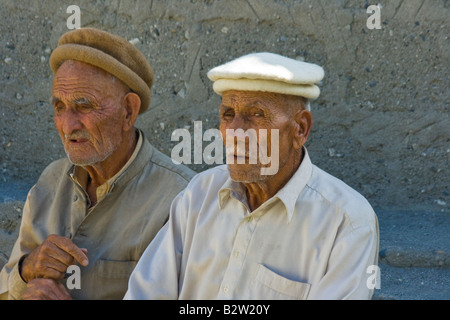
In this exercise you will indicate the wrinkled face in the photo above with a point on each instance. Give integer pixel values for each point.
(88, 112)
(256, 112)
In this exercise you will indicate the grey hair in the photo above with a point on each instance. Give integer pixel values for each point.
(307, 105)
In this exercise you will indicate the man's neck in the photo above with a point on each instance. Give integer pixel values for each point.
(260, 191)
(101, 172)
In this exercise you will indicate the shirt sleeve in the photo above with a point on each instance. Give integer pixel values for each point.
(350, 265)
(11, 283)
(157, 272)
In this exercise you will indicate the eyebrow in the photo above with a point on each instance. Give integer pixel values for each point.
(82, 101)
(79, 101)
(256, 104)
(251, 104)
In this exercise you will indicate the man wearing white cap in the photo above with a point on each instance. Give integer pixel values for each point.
(235, 233)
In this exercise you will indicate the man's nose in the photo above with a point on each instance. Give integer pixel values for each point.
(239, 122)
(71, 122)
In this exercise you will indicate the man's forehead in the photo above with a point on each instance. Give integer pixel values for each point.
(70, 86)
(82, 69)
(75, 76)
(236, 96)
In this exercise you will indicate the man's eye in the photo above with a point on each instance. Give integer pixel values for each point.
(59, 108)
(228, 115)
(85, 107)
(257, 114)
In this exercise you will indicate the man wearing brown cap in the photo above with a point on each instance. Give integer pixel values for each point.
(237, 232)
(98, 209)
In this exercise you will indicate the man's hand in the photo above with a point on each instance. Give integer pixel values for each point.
(52, 258)
(45, 289)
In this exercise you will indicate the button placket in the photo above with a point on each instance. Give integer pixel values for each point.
(238, 253)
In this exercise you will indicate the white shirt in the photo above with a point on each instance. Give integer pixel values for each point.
(315, 239)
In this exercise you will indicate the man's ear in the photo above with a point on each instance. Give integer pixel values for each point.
(304, 123)
(132, 104)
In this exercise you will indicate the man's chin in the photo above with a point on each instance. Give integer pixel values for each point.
(83, 161)
(245, 173)
(80, 163)
(88, 158)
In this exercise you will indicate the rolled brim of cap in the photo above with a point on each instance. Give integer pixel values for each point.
(304, 90)
(111, 53)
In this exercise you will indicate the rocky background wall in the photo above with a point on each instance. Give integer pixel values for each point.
(381, 123)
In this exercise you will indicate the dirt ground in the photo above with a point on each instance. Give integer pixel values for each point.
(381, 123)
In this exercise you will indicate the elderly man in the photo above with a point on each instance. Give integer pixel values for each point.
(98, 209)
(235, 233)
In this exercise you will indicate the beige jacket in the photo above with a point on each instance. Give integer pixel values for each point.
(116, 231)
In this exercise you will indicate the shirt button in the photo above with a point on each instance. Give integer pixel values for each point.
(225, 289)
(75, 198)
(237, 254)
(249, 219)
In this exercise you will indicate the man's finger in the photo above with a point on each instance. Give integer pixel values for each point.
(45, 289)
(61, 293)
(68, 246)
(53, 270)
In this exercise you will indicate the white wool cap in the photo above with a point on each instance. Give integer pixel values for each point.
(268, 72)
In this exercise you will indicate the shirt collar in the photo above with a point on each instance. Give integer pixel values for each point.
(288, 194)
(80, 175)
(291, 191)
(232, 189)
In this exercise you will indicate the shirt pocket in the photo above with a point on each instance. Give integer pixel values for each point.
(113, 278)
(273, 286)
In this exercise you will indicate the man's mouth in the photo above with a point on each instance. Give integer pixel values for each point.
(78, 142)
(241, 154)
(76, 139)
(243, 158)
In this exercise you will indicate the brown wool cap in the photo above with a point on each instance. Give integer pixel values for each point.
(109, 52)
